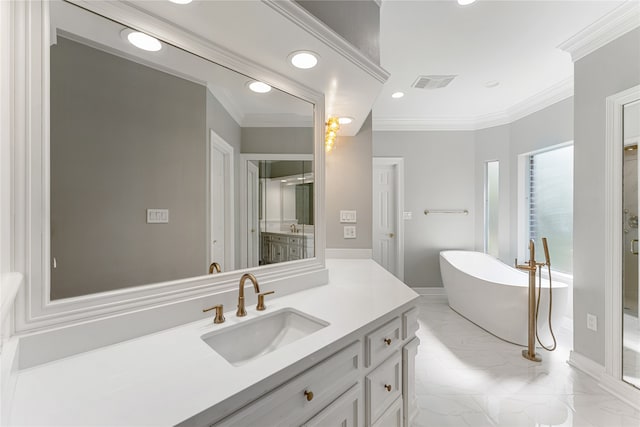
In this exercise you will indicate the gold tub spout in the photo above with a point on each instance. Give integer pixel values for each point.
(214, 266)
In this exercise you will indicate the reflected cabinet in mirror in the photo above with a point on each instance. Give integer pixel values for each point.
(146, 145)
(630, 265)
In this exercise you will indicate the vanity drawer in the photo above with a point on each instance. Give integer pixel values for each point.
(382, 342)
(383, 386)
(302, 397)
(344, 412)
(295, 252)
(409, 323)
(392, 416)
(279, 239)
(296, 241)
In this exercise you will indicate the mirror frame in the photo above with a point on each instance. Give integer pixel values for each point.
(613, 242)
(29, 63)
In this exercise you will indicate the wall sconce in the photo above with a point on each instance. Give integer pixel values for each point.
(331, 133)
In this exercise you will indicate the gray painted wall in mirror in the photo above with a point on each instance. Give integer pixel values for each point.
(277, 140)
(113, 155)
(611, 69)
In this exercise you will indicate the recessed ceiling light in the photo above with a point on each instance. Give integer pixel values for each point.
(181, 1)
(491, 84)
(144, 41)
(259, 87)
(397, 95)
(283, 180)
(345, 120)
(465, 2)
(303, 59)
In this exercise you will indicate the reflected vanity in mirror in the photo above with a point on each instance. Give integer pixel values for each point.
(146, 146)
(630, 265)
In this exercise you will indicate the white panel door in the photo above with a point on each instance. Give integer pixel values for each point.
(218, 208)
(221, 247)
(385, 211)
(253, 232)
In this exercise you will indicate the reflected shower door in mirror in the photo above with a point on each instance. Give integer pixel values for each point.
(145, 146)
(630, 265)
(280, 226)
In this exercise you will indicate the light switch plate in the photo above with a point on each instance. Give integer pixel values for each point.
(157, 216)
(347, 216)
(349, 231)
(407, 215)
(592, 322)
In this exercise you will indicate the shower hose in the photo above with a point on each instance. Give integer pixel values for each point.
(553, 347)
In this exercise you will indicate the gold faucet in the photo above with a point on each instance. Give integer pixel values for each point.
(214, 266)
(241, 311)
(531, 266)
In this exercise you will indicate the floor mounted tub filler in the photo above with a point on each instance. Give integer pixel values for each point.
(494, 295)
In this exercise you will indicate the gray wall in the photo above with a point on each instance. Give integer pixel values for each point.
(439, 174)
(609, 70)
(349, 181)
(545, 128)
(277, 140)
(221, 122)
(124, 138)
(357, 21)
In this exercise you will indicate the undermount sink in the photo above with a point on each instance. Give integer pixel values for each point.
(250, 339)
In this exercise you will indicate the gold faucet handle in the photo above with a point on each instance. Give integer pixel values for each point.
(261, 306)
(219, 313)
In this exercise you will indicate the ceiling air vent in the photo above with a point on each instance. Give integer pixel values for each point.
(432, 82)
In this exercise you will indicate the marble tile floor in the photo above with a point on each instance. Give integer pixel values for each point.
(467, 377)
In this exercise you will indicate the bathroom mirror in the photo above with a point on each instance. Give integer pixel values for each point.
(630, 250)
(145, 151)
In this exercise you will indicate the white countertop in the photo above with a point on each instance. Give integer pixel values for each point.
(170, 376)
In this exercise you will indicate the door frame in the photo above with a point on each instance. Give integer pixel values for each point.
(244, 157)
(398, 162)
(612, 378)
(217, 143)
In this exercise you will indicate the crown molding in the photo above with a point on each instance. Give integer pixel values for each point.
(616, 23)
(276, 120)
(308, 22)
(553, 94)
(227, 103)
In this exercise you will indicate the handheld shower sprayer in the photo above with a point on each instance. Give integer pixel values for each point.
(546, 251)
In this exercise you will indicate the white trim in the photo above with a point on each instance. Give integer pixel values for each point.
(616, 23)
(314, 26)
(586, 365)
(9, 287)
(340, 253)
(244, 158)
(434, 291)
(276, 121)
(34, 310)
(226, 149)
(613, 231)
(398, 162)
(543, 99)
(620, 389)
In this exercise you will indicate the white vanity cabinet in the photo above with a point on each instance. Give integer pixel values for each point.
(281, 247)
(368, 383)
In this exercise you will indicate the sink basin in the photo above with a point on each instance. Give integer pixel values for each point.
(250, 339)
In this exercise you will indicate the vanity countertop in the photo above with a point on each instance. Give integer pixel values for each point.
(168, 377)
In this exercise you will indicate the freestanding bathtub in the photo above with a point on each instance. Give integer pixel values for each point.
(494, 296)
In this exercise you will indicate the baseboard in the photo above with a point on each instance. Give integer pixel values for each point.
(340, 253)
(434, 293)
(620, 389)
(586, 365)
(623, 391)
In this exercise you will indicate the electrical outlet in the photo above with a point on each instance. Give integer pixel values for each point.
(349, 231)
(407, 215)
(592, 322)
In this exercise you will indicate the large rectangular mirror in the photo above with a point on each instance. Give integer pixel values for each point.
(145, 162)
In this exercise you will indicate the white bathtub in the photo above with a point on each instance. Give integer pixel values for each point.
(494, 296)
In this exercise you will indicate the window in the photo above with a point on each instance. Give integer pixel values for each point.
(549, 210)
(491, 206)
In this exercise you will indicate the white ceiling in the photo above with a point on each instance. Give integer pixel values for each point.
(513, 42)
